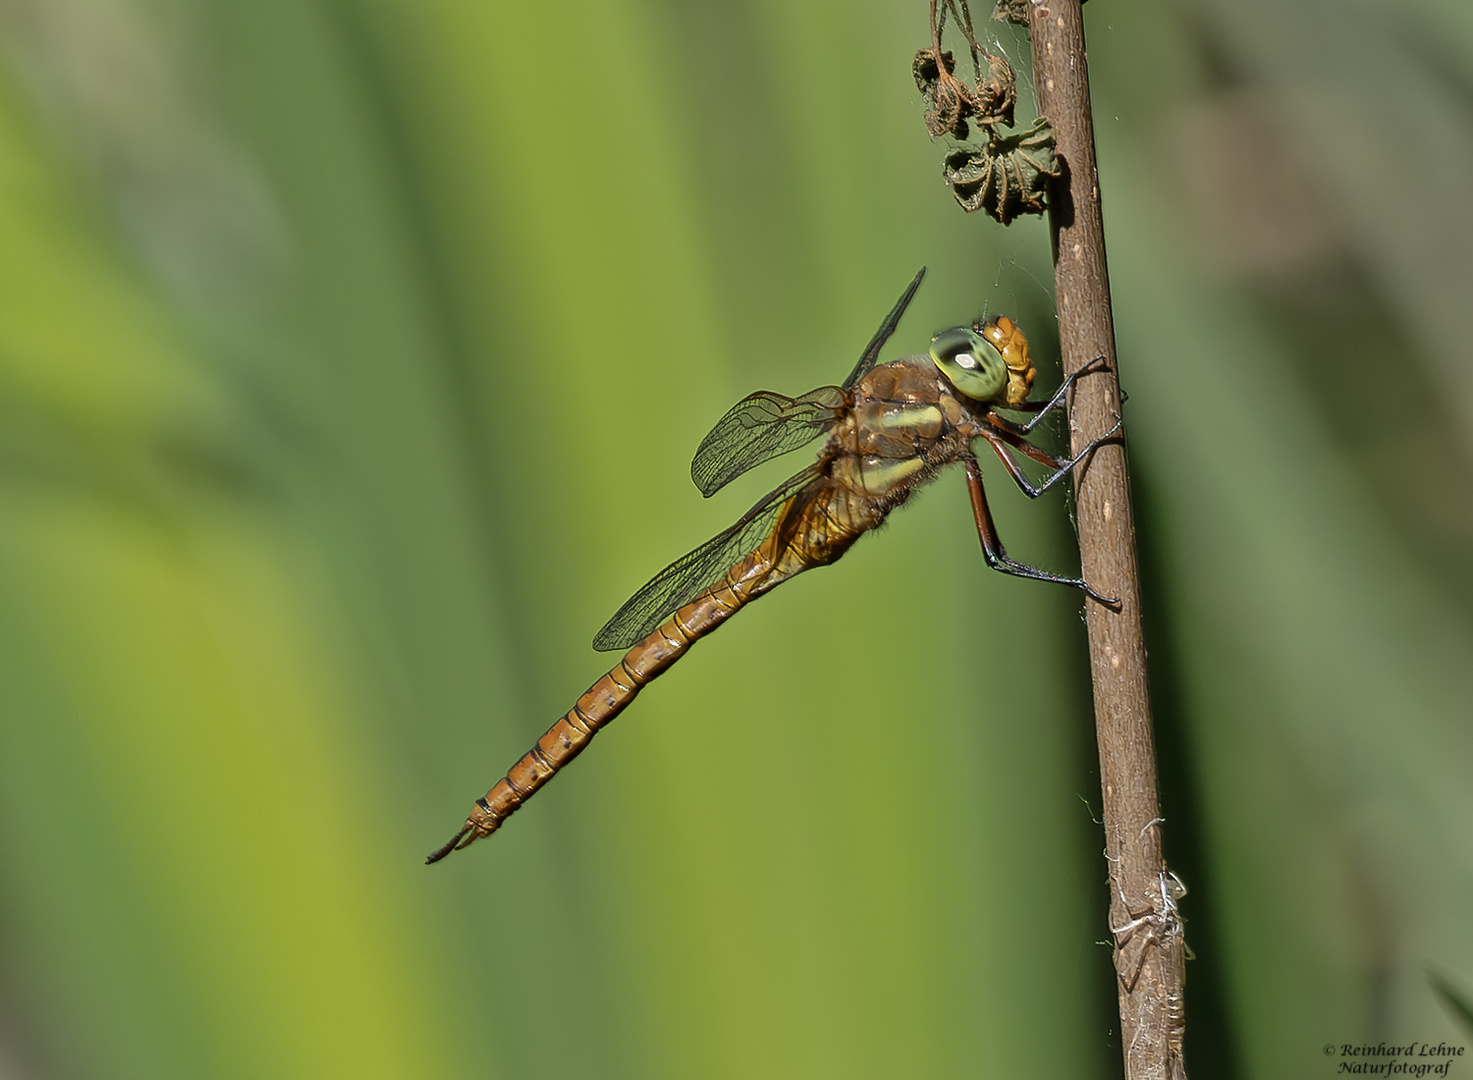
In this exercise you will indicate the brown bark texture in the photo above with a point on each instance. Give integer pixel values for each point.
(1147, 930)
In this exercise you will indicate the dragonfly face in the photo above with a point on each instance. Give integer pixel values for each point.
(989, 363)
(890, 428)
(970, 362)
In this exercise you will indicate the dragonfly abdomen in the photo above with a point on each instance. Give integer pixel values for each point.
(608, 697)
(815, 528)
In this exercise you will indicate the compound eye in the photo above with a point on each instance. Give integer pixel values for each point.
(970, 363)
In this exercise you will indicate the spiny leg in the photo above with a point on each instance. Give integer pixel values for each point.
(1061, 467)
(992, 549)
(1043, 408)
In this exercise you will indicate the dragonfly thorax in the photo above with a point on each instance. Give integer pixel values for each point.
(903, 421)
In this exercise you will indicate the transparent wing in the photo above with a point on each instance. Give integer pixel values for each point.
(882, 335)
(765, 425)
(690, 575)
(758, 428)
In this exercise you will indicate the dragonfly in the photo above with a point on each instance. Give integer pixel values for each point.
(890, 429)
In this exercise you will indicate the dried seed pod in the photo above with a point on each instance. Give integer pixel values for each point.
(1012, 11)
(948, 99)
(949, 115)
(1006, 177)
(926, 73)
(997, 95)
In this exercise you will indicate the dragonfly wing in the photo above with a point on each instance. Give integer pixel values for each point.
(690, 575)
(882, 335)
(758, 428)
(764, 425)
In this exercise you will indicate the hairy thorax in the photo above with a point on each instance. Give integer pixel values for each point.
(903, 423)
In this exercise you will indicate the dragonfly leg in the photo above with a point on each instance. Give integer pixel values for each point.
(1043, 408)
(1061, 466)
(992, 549)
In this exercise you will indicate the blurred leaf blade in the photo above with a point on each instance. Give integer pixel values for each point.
(350, 363)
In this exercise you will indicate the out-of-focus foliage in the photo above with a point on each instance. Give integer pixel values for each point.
(351, 356)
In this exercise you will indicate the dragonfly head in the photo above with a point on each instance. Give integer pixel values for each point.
(988, 363)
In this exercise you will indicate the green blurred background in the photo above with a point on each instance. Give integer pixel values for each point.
(352, 354)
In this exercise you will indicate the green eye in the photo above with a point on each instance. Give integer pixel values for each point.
(970, 363)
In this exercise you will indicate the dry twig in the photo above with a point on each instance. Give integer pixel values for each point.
(1149, 955)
